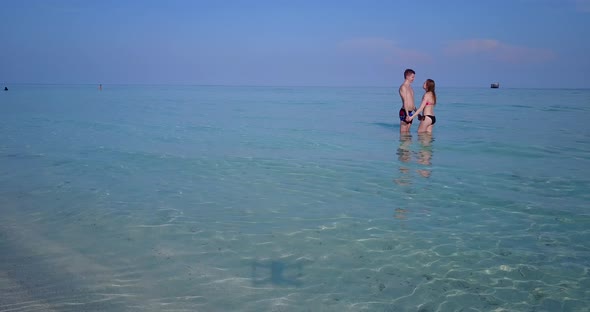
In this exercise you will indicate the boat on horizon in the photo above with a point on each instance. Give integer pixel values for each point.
(495, 85)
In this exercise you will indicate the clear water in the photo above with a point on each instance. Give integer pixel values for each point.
(185, 198)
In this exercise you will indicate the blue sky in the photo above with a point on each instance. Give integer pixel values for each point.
(519, 43)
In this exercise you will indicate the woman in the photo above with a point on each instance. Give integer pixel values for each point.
(426, 110)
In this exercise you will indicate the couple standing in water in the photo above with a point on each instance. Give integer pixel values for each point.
(407, 114)
(408, 111)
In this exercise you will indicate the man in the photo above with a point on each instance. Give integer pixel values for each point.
(408, 107)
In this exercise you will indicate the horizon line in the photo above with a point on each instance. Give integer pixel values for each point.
(267, 86)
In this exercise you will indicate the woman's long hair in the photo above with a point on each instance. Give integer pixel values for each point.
(430, 88)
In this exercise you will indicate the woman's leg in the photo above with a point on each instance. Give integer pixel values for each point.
(424, 124)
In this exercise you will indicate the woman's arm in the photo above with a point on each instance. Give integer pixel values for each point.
(427, 98)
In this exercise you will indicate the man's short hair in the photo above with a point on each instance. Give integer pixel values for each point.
(408, 72)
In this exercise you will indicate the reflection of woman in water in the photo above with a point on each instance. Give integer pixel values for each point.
(427, 118)
(425, 153)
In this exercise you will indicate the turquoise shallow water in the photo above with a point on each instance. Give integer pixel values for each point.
(185, 198)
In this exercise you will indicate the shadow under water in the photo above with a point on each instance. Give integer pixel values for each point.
(277, 273)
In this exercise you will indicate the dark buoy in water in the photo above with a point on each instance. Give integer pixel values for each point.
(5, 88)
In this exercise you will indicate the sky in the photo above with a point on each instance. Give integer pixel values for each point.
(458, 43)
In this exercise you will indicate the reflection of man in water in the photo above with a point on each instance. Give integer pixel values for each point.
(425, 153)
(404, 155)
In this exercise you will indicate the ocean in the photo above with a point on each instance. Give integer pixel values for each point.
(219, 198)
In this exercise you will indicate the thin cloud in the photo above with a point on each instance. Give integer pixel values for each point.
(386, 50)
(405, 56)
(368, 44)
(499, 51)
(578, 5)
(583, 5)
